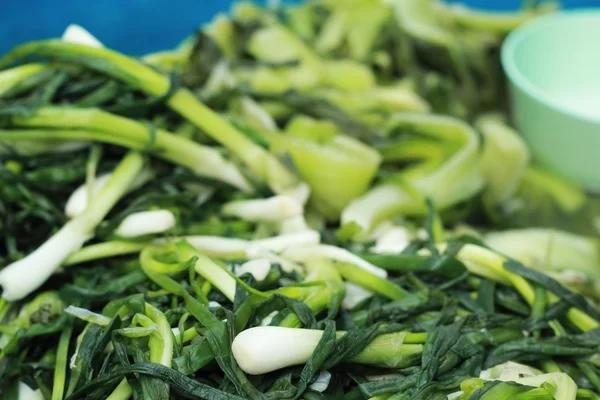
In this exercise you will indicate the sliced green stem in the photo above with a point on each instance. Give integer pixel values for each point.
(60, 370)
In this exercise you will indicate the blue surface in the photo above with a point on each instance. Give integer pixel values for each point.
(138, 26)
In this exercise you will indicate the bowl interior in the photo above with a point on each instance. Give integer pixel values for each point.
(556, 60)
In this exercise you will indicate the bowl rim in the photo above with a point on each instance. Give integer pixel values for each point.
(520, 80)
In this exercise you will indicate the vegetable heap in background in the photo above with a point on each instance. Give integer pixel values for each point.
(242, 217)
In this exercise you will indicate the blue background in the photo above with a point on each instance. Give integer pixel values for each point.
(137, 26)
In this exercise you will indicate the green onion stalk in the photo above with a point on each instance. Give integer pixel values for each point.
(22, 77)
(66, 123)
(154, 324)
(457, 179)
(503, 146)
(266, 349)
(22, 277)
(263, 164)
(516, 381)
(337, 168)
(489, 264)
(321, 289)
(573, 260)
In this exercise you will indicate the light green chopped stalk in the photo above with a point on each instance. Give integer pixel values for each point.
(161, 345)
(57, 136)
(301, 19)
(489, 264)
(418, 19)
(216, 246)
(60, 370)
(505, 157)
(307, 253)
(456, 180)
(333, 290)
(161, 348)
(255, 115)
(91, 168)
(88, 316)
(209, 270)
(105, 250)
(566, 388)
(222, 30)
(115, 64)
(200, 159)
(277, 44)
(508, 372)
(572, 259)
(188, 335)
(26, 275)
(44, 146)
(371, 282)
(170, 60)
(568, 196)
(122, 392)
(273, 209)
(355, 25)
(261, 162)
(348, 76)
(218, 276)
(16, 76)
(497, 22)
(388, 99)
(337, 168)
(143, 77)
(268, 348)
(412, 150)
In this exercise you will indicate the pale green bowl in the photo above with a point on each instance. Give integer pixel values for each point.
(553, 66)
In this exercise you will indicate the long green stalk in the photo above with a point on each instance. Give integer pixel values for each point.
(143, 77)
(202, 160)
(489, 264)
(21, 76)
(60, 370)
(457, 179)
(105, 250)
(26, 275)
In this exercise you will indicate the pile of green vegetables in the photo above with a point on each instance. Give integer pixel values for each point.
(320, 201)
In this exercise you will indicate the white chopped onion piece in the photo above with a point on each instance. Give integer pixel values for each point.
(146, 223)
(322, 382)
(333, 253)
(79, 35)
(258, 268)
(88, 316)
(354, 295)
(265, 349)
(276, 208)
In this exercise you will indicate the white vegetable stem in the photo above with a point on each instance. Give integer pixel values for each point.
(79, 35)
(332, 253)
(26, 393)
(88, 316)
(229, 247)
(269, 348)
(22, 277)
(322, 382)
(258, 268)
(275, 208)
(265, 349)
(78, 201)
(566, 388)
(392, 240)
(354, 295)
(146, 223)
